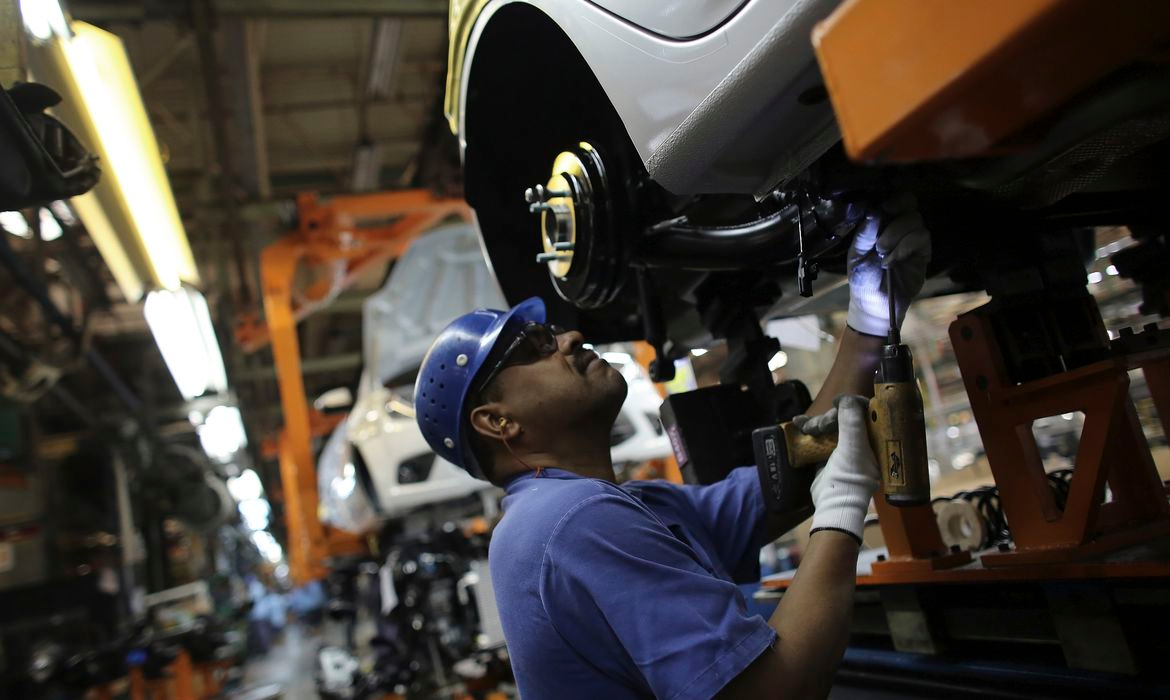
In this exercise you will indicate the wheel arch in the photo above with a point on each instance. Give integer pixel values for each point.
(527, 94)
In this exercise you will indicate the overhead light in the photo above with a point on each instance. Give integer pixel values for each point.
(15, 223)
(50, 227)
(367, 167)
(63, 213)
(698, 352)
(1095, 277)
(222, 433)
(384, 57)
(245, 487)
(778, 360)
(268, 546)
(101, 231)
(131, 212)
(1111, 271)
(43, 19)
(181, 326)
(255, 513)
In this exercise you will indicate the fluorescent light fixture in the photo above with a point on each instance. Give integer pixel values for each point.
(367, 167)
(698, 352)
(222, 433)
(384, 56)
(101, 231)
(43, 19)
(130, 152)
(255, 513)
(245, 487)
(778, 360)
(1111, 271)
(268, 546)
(181, 325)
(62, 211)
(50, 228)
(1095, 277)
(131, 213)
(15, 223)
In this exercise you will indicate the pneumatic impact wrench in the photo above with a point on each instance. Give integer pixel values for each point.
(787, 458)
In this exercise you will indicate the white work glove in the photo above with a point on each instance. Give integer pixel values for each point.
(842, 490)
(894, 237)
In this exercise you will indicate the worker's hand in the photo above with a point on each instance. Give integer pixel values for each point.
(816, 426)
(842, 490)
(895, 237)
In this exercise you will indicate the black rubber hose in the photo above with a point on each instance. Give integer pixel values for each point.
(770, 240)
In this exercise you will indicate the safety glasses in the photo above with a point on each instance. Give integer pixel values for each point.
(534, 341)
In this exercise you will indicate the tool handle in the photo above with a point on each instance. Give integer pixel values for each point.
(807, 450)
(786, 489)
(898, 436)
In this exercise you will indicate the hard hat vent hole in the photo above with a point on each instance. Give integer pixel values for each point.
(441, 385)
(431, 380)
(442, 367)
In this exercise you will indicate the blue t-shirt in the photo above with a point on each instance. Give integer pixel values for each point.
(628, 591)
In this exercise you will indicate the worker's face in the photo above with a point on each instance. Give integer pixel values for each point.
(570, 389)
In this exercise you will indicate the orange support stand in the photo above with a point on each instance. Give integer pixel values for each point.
(348, 235)
(913, 541)
(183, 681)
(137, 684)
(644, 355)
(1113, 449)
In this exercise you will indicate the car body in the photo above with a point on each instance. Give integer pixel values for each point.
(716, 114)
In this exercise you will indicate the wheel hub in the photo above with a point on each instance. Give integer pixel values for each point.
(577, 238)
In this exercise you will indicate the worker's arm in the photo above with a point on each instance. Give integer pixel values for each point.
(812, 620)
(852, 371)
(894, 236)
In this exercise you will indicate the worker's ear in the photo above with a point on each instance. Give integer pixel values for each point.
(490, 420)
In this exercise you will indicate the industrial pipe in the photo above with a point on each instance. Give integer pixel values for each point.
(769, 240)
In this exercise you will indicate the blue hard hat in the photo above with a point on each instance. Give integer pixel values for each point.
(447, 373)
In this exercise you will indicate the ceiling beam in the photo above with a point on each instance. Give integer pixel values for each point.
(244, 40)
(120, 11)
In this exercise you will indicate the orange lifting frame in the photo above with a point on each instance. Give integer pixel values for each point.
(921, 79)
(1050, 543)
(358, 231)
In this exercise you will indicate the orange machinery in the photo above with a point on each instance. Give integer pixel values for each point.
(913, 81)
(355, 232)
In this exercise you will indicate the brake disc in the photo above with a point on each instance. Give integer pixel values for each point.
(580, 243)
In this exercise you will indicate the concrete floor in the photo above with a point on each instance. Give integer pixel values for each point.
(288, 664)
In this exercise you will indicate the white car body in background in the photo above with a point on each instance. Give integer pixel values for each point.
(442, 275)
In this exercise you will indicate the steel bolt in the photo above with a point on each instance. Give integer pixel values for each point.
(449, 443)
(539, 206)
(563, 245)
(551, 257)
(461, 360)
